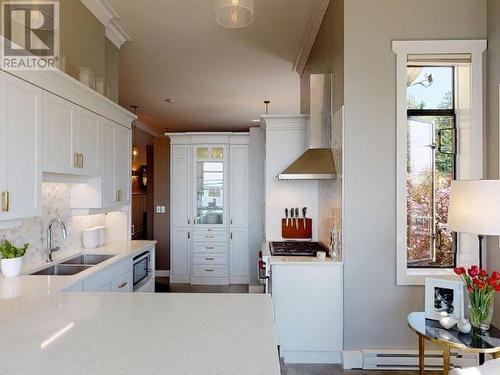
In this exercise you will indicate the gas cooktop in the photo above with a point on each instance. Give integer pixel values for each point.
(296, 248)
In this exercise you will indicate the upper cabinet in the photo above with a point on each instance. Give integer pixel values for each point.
(70, 138)
(123, 147)
(20, 148)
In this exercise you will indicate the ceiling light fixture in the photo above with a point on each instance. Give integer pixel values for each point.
(234, 14)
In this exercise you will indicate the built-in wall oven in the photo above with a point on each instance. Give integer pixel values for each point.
(142, 270)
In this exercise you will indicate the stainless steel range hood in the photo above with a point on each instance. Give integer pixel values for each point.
(317, 162)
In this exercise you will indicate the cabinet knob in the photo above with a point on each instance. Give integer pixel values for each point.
(5, 201)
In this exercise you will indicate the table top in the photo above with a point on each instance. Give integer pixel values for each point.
(476, 341)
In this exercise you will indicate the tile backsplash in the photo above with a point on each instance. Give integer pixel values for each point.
(56, 199)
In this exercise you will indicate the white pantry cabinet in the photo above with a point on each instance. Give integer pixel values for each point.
(70, 138)
(209, 209)
(123, 168)
(20, 149)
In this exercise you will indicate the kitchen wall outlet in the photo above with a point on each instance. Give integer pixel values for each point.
(160, 209)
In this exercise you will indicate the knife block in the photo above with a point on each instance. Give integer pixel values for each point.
(293, 231)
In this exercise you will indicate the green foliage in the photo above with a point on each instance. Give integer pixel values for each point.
(9, 251)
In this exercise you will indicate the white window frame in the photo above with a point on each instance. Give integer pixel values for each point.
(470, 146)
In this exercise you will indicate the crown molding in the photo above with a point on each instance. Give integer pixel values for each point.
(310, 35)
(147, 128)
(106, 15)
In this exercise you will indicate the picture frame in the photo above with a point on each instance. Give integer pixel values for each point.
(443, 295)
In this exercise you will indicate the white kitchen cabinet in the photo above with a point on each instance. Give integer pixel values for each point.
(111, 278)
(71, 136)
(180, 255)
(123, 156)
(123, 283)
(59, 135)
(107, 163)
(180, 204)
(239, 185)
(87, 138)
(209, 197)
(20, 149)
(238, 255)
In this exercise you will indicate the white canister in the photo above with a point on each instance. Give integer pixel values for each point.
(91, 238)
(103, 231)
(12, 267)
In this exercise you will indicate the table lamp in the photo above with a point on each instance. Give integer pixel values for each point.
(474, 207)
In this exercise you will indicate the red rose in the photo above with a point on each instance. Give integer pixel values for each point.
(495, 275)
(473, 271)
(470, 289)
(479, 283)
(459, 270)
(483, 273)
(492, 281)
(497, 287)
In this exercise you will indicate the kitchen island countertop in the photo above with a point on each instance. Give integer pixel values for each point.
(46, 331)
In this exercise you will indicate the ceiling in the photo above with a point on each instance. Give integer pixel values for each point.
(219, 78)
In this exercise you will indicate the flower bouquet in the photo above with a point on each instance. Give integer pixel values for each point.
(481, 288)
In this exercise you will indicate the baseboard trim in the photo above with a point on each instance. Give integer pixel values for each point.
(209, 281)
(162, 273)
(330, 357)
(180, 279)
(256, 289)
(352, 359)
(239, 280)
(403, 359)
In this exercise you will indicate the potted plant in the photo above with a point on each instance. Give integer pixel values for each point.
(481, 288)
(12, 258)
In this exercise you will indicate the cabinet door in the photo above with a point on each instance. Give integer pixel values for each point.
(239, 273)
(123, 153)
(180, 185)
(238, 185)
(179, 256)
(87, 135)
(59, 135)
(107, 163)
(20, 148)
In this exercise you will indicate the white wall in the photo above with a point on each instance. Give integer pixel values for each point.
(286, 139)
(375, 308)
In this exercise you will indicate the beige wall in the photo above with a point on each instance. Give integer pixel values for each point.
(327, 56)
(113, 69)
(162, 197)
(491, 133)
(376, 307)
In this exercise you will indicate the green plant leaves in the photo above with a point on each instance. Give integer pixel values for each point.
(9, 251)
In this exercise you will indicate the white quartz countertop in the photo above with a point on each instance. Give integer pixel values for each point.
(46, 331)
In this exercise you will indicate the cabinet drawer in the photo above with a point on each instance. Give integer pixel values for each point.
(207, 235)
(122, 283)
(209, 271)
(209, 247)
(208, 258)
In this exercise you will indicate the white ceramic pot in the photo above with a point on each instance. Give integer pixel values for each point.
(12, 267)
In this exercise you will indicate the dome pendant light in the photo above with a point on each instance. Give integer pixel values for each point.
(234, 14)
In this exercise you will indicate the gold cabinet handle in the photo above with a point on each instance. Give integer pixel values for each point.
(81, 160)
(75, 160)
(209, 236)
(5, 201)
(118, 195)
(209, 247)
(122, 285)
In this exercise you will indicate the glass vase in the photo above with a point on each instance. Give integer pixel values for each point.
(481, 311)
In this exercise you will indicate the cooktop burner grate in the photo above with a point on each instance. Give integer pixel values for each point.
(296, 248)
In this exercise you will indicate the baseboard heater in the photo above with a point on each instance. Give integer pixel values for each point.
(408, 359)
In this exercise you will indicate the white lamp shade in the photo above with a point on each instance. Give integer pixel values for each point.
(475, 207)
(234, 14)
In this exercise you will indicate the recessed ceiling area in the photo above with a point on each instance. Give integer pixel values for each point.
(216, 78)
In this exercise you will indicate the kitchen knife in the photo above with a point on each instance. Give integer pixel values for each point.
(286, 215)
(297, 218)
(304, 211)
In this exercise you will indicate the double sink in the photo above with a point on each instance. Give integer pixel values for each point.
(74, 265)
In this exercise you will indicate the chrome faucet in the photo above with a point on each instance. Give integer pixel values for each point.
(50, 246)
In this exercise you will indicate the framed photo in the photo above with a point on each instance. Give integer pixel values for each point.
(444, 296)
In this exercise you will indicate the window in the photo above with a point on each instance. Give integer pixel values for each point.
(439, 138)
(431, 165)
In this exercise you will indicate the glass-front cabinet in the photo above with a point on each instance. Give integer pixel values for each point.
(210, 180)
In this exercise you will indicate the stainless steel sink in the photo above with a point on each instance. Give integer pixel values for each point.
(61, 270)
(90, 259)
